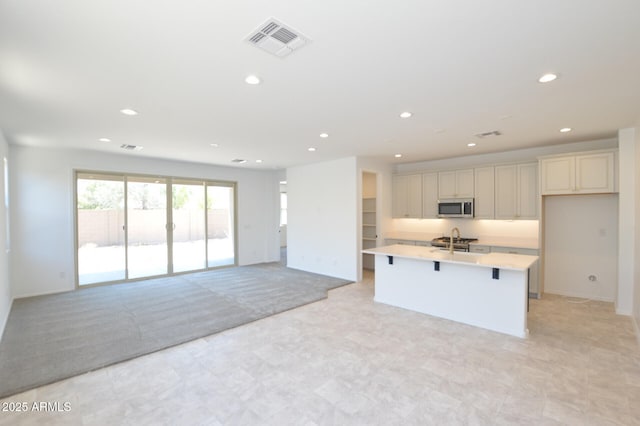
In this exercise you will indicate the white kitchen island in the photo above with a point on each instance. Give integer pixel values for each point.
(483, 290)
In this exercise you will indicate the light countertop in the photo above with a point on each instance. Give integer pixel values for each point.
(515, 242)
(517, 262)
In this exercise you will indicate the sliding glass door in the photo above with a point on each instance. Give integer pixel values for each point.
(132, 227)
(147, 250)
(220, 225)
(189, 251)
(100, 222)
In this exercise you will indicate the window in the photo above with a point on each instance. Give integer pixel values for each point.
(135, 226)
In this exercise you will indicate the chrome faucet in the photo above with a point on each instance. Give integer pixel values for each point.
(456, 230)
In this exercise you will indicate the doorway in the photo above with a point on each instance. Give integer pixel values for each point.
(369, 218)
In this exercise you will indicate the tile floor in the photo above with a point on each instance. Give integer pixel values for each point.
(347, 360)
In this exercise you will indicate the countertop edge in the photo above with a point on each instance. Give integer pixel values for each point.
(427, 254)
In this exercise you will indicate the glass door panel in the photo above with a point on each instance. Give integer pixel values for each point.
(220, 225)
(100, 222)
(147, 250)
(188, 243)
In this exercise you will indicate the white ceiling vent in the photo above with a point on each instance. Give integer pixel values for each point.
(277, 38)
(131, 147)
(238, 161)
(487, 134)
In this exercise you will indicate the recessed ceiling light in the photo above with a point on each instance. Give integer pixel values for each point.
(471, 144)
(129, 111)
(283, 182)
(324, 135)
(258, 161)
(566, 129)
(252, 79)
(104, 140)
(398, 155)
(215, 145)
(406, 114)
(311, 149)
(547, 78)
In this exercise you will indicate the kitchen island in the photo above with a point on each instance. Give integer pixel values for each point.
(483, 290)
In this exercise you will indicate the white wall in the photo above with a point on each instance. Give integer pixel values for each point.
(627, 220)
(42, 211)
(636, 259)
(581, 239)
(322, 232)
(5, 288)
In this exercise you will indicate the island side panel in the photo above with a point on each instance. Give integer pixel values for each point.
(459, 292)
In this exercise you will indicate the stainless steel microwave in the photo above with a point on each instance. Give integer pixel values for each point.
(459, 207)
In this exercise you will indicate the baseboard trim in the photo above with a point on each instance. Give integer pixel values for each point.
(583, 296)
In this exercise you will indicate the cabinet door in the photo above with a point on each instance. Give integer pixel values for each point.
(527, 191)
(484, 193)
(474, 248)
(594, 173)
(464, 183)
(447, 185)
(407, 196)
(414, 199)
(506, 191)
(455, 184)
(557, 175)
(430, 195)
(400, 196)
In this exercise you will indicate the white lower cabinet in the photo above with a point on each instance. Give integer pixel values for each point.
(533, 271)
(474, 248)
(391, 241)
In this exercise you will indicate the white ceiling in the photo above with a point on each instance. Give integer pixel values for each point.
(461, 66)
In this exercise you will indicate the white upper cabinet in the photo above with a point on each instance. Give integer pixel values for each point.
(455, 184)
(516, 191)
(407, 196)
(595, 173)
(484, 193)
(430, 195)
(587, 173)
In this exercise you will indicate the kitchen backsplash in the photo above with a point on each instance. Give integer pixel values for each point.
(470, 228)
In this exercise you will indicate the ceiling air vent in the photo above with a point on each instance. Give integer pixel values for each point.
(238, 161)
(487, 134)
(131, 147)
(276, 38)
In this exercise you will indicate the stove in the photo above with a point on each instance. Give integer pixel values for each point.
(459, 244)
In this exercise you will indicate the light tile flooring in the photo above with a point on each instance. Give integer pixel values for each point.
(347, 360)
